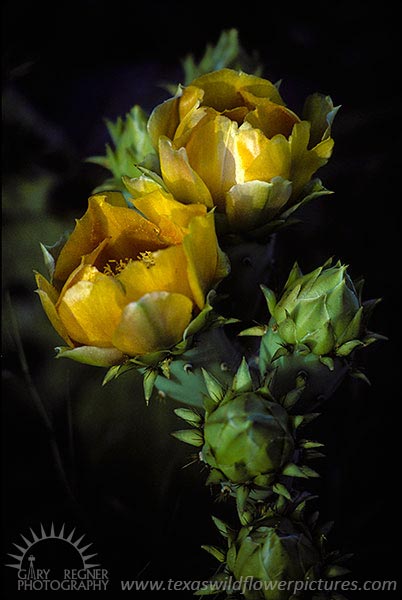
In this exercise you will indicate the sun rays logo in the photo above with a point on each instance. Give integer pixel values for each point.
(56, 561)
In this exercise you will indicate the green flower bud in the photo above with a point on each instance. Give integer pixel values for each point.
(317, 323)
(247, 438)
(319, 313)
(275, 551)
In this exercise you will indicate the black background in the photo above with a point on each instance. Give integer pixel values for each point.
(70, 65)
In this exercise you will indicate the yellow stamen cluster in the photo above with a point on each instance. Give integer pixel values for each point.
(147, 258)
(113, 267)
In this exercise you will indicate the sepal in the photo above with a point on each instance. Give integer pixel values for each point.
(215, 552)
(92, 355)
(193, 437)
(242, 381)
(313, 190)
(192, 417)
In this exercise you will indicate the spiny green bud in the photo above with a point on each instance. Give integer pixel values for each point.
(320, 311)
(247, 439)
(274, 551)
(316, 324)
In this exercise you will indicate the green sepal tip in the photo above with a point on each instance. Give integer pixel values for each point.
(215, 552)
(190, 416)
(189, 436)
(242, 381)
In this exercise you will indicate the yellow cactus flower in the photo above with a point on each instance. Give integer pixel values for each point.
(228, 140)
(128, 281)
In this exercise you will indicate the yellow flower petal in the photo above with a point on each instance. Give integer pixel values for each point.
(190, 100)
(159, 207)
(222, 88)
(200, 246)
(323, 150)
(210, 151)
(245, 203)
(156, 322)
(46, 287)
(97, 256)
(300, 138)
(306, 162)
(320, 111)
(164, 270)
(165, 118)
(141, 186)
(254, 203)
(163, 210)
(271, 118)
(237, 114)
(259, 158)
(91, 308)
(127, 231)
(181, 179)
(191, 120)
(48, 296)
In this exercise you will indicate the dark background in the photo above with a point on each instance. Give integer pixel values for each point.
(67, 66)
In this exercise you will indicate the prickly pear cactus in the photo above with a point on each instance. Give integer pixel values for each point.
(165, 276)
(257, 452)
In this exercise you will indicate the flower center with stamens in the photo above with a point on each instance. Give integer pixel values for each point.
(147, 258)
(114, 267)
